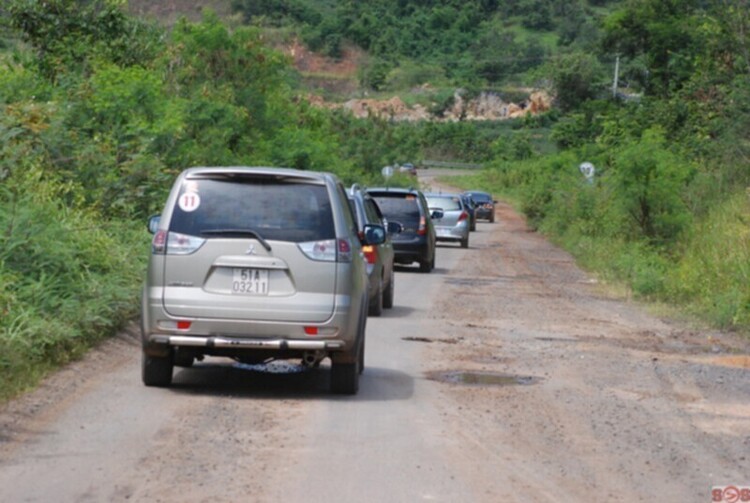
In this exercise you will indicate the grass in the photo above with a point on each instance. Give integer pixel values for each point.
(705, 281)
(67, 281)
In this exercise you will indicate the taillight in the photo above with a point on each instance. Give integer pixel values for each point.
(159, 243)
(463, 216)
(422, 230)
(371, 253)
(172, 243)
(329, 250)
(345, 251)
(182, 244)
(324, 251)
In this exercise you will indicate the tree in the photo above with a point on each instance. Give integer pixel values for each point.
(67, 33)
(576, 77)
(665, 32)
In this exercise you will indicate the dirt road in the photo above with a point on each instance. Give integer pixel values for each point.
(507, 374)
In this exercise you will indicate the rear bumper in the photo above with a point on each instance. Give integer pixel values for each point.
(230, 342)
(406, 252)
(456, 233)
(160, 332)
(484, 213)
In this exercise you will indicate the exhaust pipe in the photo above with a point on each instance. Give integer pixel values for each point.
(312, 359)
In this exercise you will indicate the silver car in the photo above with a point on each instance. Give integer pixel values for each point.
(454, 223)
(256, 264)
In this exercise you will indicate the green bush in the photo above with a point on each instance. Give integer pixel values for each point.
(70, 278)
(649, 183)
(712, 275)
(410, 75)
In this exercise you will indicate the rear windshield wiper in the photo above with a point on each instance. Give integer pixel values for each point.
(237, 232)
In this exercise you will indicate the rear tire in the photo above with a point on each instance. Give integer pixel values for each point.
(425, 265)
(345, 374)
(157, 371)
(492, 218)
(345, 378)
(465, 243)
(389, 292)
(362, 357)
(376, 305)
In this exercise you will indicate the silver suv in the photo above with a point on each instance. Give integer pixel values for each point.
(256, 264)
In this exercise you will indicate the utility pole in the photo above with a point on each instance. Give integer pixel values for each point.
(614, 80)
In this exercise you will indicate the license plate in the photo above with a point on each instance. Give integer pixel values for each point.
(250, 281)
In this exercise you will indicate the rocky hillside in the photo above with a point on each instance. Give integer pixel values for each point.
(339, 76)
(487, 106)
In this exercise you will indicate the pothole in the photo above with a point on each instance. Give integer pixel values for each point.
(474, 378)
(428, 340)
(485, 281)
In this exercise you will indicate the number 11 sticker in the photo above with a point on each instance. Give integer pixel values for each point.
(189, 201)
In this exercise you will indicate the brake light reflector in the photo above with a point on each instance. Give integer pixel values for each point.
(183, 325)
(311, 330)
(371, 253)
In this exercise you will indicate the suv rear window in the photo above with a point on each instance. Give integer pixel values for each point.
(280, 210)
(402, 208)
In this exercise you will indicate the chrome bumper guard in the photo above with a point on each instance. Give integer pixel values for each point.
(225, 342)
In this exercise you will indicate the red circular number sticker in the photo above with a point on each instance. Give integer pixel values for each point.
(189, 201)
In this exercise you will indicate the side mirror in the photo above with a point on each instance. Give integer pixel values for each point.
(395, 228)
(153, 223)
(374, 234)
(437, 214)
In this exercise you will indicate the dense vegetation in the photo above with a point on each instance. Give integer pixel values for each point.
(467, 42)
(101, 110)
(668, 211)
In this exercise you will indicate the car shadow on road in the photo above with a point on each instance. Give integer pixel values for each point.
(295, 381)
(398, 312)
(415, 270)
(407, 268)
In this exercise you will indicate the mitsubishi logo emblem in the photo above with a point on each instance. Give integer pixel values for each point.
(250, 250)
